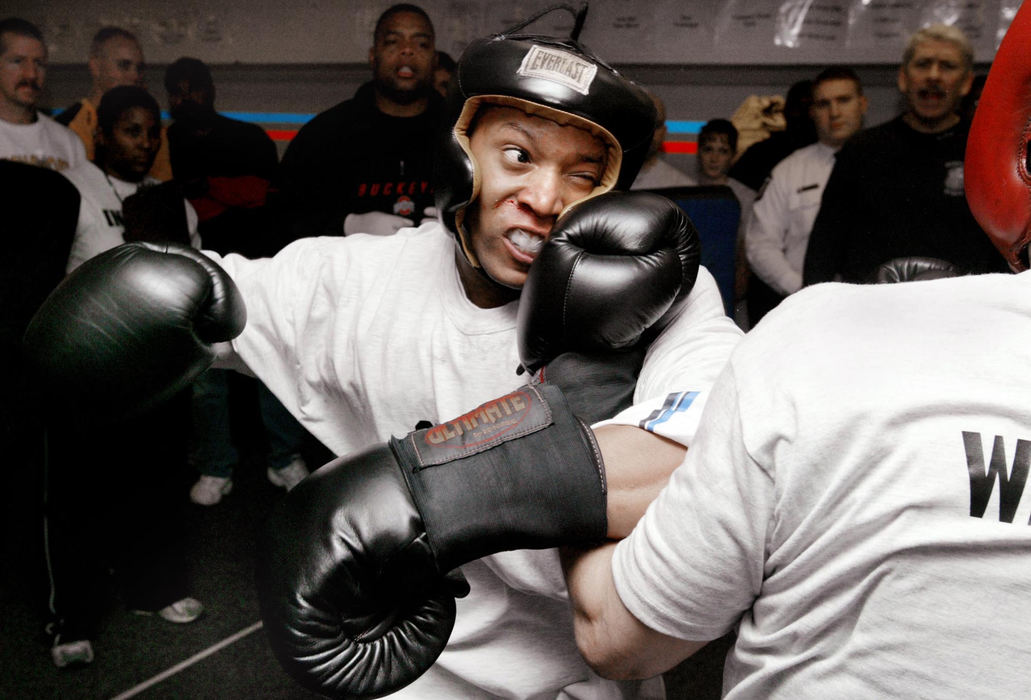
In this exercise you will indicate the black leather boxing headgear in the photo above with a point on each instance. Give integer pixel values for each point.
(555, 78)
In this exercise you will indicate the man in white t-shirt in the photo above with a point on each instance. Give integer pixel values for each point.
(26, 134)
(789, 200)
(365, 337)
(855, 503)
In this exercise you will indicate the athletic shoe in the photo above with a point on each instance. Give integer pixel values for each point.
(290, 475)
(209, 489)
(69, 653)
(179, 612)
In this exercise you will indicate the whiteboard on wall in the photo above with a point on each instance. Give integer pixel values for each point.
(729, 32)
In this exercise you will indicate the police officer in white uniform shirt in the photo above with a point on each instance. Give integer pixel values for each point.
(789, 200)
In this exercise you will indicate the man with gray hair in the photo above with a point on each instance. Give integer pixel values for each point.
(115, 59)
(896, 190)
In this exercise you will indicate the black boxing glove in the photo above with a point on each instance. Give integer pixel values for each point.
(352, 563)
(913, 268)
(615, 271)
(130, 328)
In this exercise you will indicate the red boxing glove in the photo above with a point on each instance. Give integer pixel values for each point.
(998, 185)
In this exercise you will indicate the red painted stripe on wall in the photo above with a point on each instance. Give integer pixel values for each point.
(281, 134)
(690, 147)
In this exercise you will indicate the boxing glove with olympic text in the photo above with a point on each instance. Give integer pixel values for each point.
(352, 564)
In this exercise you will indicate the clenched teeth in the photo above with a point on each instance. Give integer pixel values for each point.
(526, 242)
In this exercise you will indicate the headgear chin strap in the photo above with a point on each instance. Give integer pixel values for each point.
(550, 77)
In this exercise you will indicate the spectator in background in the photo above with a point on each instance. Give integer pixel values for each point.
(755, 164)
(225, 167)
(656, 172)
(26, 134)
(442, 73)
(365, 165)
(786, 206)
(896, 190)
(39, 222)
(112, 491)
(128, 137)
(115, 59)
(717, 146)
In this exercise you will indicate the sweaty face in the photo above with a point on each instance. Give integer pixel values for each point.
(120, 63)
(933, 83)
(714, 156)
(22, 72)
(531, 169)
(403, 57)
(129, 150)
(837, 111)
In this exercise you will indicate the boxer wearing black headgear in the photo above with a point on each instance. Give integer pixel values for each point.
(546, 78)
(363, 337)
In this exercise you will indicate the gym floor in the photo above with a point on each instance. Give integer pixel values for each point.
(225, 653)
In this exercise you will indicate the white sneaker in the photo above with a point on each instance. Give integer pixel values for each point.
(182, 611)
(179, 612)
(78, 652)
(290, 475)
(209, 489)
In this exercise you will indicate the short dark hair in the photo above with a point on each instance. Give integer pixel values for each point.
(20, 27)
(193, 71)
(838, 73)
(106, 34)
(119, 100)
(397, 9)
(445, 61)
(717, 127)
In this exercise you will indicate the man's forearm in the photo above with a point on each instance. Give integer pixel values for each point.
(638, 464)
(616, 644)
(612, 641)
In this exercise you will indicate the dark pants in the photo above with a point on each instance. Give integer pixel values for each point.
(115, 501)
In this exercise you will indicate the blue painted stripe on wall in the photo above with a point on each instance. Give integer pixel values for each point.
(673, 125)
(262, 117)
(683, 127)
(271, 117)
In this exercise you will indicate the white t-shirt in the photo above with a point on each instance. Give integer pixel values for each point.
(841, 503)
(364, 336)
(44, 143)
(100, 225)
(783, 216)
